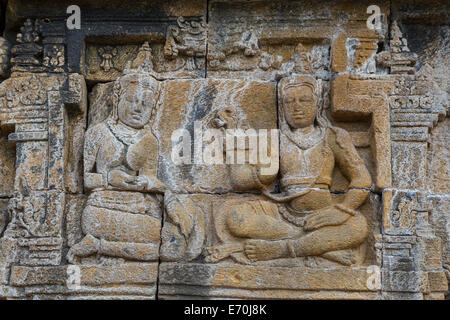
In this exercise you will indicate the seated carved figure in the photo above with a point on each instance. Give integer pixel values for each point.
(304, 220)
(122, 217)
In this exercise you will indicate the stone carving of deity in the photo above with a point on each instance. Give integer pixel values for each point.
(122, 217)
(304, 220)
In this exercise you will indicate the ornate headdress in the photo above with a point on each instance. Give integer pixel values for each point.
(321, 118)
(140, 71)
(316, 88)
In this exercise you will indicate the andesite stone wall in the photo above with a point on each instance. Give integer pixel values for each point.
(133, 163)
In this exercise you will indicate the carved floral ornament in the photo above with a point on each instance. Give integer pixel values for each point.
(107, 54)
(27, 92)
(4, 57)
(54, 57)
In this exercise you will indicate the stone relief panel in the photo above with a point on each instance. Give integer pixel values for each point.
(202, 228)
(233, 149)
(288, 229)
(118, 173)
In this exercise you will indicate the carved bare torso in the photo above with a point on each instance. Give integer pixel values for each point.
(125, 149)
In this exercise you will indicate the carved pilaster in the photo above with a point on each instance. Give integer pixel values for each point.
(411, 252)
(34, 108)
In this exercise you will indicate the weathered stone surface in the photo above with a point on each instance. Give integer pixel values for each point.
(195, 105)
(218, 281)
(224, 149)
(354, 98)
(439, 163)
(7, 163)
(4, 57)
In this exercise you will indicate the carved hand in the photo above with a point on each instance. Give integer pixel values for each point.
(122, 180)
(329, 216)
(155, 185)
(142, 182)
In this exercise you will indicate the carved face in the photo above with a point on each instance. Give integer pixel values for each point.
(135, 105)
(299, 106)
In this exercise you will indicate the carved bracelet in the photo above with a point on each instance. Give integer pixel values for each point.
(347, 210)
(291, 249)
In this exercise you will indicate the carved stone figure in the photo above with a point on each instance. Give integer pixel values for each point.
(305, 221)
(123, 214)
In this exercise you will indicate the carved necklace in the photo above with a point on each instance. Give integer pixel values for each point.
(305, 141)
(128, 136)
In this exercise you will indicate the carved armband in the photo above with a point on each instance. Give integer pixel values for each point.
(95, 180)
(150, 184)
(291, 249)
(346, 210)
